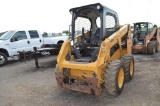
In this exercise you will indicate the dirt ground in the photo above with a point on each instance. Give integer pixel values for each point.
(21, 84)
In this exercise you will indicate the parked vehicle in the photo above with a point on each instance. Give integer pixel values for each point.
(100, 59)
(146, 38)
(23, 40)
(57, 42)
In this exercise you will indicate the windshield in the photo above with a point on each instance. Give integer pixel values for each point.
(6, 35)
(141, 27)
(80, 23)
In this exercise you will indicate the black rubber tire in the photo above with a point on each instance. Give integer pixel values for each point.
(157, 45)
(111, 78)
(4, 57)
(127, 59)
(151, 48)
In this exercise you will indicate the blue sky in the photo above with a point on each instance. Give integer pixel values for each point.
(54, 16)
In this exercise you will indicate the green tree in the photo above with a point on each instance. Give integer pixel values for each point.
(60, 34)
(66, 32)
(45, 34)
(155, 25)
(2, 33)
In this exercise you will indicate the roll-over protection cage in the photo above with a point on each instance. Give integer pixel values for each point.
(102, 11)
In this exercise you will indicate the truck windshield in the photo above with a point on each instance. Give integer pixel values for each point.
(6, 35)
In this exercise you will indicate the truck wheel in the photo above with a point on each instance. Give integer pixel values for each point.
(157, 45)
(114, 77)
(128, 61)
(151, 47)
(3, 59)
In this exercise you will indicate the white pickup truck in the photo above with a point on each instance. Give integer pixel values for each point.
(23, 40)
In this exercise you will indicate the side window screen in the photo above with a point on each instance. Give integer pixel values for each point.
(150, 27)
(20, 35)
(82, 23)
(33, 34)
(110, 21)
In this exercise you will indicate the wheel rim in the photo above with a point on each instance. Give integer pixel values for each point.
(121, 77)
(2, 59)
(131, 67)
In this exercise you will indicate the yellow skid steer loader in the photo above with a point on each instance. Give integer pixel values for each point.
(98, 53)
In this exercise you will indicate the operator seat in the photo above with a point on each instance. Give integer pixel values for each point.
(95, 40)
(142, 36)
(79, 58)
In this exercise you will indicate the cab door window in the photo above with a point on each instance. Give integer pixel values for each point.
(33, 34)
(20, 35)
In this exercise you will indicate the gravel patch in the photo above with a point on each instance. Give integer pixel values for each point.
(21, 84)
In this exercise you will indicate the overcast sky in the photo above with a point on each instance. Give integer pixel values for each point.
(54, 16)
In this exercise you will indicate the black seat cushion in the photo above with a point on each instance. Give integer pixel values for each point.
(142, 36)
(95, 40)
(79, 58)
